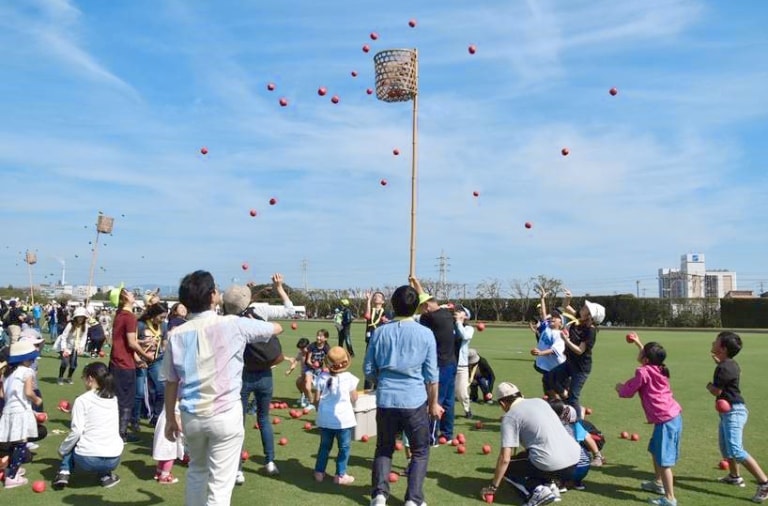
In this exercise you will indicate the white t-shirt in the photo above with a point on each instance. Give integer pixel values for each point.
(95, 429)
(550, 339)
(15, 400)
(532, 424)
(335, 409)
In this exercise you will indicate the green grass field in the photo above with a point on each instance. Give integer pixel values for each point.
(454, 478)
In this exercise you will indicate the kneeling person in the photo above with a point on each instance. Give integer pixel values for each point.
(551, 453)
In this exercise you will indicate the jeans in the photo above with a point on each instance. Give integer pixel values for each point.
(101, 465)
(345, 339)
(150, 391)
(730, 432)
(214, 444)
(344, 438)
(415, 424)
(67, 362)
(53, 329)
(261, 384)
(486, 387)
(125, 390)
(578, 378)
(446, 398)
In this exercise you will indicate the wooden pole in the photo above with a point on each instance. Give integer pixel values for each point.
(93, 266)
(31, 288)
(414, 167)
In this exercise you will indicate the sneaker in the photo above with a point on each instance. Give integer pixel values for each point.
(597, 461)
(412, 503)
(60, 381)
(579, 485)
(168, 479)
(60, 481)
(762, 493)
(32, 446)
(344, 479)
(319, 477)
(131, 438)
(733, 480)
(271, 469)
(555, 491)
(379, 500)
(21, 472)
(309, 407)
(69, 381)
(18, 481)
(135, 427)
(541, 495)
(239, 478)
(653, 486)
(663, 501)
(468, 415)
(109, 480)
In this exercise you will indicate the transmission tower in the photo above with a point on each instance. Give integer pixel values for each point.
(443, 268)
(304, 269)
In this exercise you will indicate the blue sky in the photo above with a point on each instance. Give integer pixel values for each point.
(107, 104)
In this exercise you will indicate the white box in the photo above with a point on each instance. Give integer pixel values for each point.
(365, 416)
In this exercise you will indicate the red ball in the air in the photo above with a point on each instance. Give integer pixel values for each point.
(322, 91)
(565, 151)
(272, 201)
(353, 73)
(366, 48)
(475, 193)
(528, 225)
(412, 23)
(253, 213)
(374, 35)
(369, 91)
(472, 49)
(613, 92)
(335, 99)
(383, 182)
(244, 266)
(396, 152)
(283, 102)
(204, 150)
(271, 86)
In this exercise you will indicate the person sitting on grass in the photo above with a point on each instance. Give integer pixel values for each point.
(93, 443)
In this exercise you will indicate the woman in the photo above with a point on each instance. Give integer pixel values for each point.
(152, 334)
(177, 316)
(71, 343)
(579, 341)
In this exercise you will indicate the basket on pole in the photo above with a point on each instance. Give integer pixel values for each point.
(397, 80)
(31, 259)
(104, 225)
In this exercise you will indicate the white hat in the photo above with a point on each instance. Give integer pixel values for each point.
(22, 351)
(81, 311)
(473, 357)
(596, 311)
(236, 298)
(31, 335)
(506, 389)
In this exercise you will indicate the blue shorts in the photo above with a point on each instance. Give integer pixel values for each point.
(730, 432)
(665, 442)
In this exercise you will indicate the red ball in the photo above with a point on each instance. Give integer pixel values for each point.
(588, 411)
(366, 48)
(412, 23)
(489, 498)
(565, 151)
(369, 91)
(528, 225)
(481, 326)
(488, 396)
(101, 354)
(722, 406)
(724, 465)
(630, 338)
(253, 213)
(38, 486)
(478, 425)
(383, 182)
(624, 435)
(283, 102)
(613, 92)
(461, 449)
(275, 421)
(272, 201)
(364, 438)
(486, 449)
(472, 49)
(283, 405)
(442, 440)
(393, 477)
(353, 73)
(454, 442)
(294, 326)
(204, 150)
(396, 152)
(306, 410)
(635, 437)
(244, 455)
(374, 35)
(461, 438)
(475, 193)
(283, 441)
(271, 86)
(307, 426)
(335, 99)
(244, 266)
(322, 91)
(64, 406)
(41, 417)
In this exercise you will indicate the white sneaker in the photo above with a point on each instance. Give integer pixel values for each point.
(239, 478)
(555, 491)
(32, 446)
(379, 500)
(411, 503)
(541, 495)
(271, 469)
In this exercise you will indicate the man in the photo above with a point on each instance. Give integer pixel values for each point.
(402, 359)
(344, 326)
(440, 321)
(259, 360)
(203, 368)
(550, 455)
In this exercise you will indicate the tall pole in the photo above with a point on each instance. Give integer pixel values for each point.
(414, 171)
(93, 267)
(31, 287)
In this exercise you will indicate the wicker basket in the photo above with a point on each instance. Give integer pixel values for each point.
(104, 224)
(31, 258)
(396, 75)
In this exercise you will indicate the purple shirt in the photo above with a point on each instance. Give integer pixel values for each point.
(655, 394)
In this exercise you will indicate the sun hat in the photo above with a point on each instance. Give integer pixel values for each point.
(473, 357)
(31, 335)
(81, 311)
(424, 297)
(344, 302)
(459, 307)
(114, 295)
(13, 331)
(506, 389)
(21, 351)
(596, 311)
(337, 359)
(236, 298)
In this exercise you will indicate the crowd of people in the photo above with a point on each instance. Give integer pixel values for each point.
(196, 369)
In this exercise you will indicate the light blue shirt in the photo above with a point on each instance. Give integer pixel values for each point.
(401, 359)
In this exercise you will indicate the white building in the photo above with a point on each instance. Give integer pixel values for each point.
(693, 281)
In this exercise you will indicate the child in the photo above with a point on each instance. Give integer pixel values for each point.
(567, 415)
(71, 343)
(725, 385)
(550, 352)
(18, 423)
(93, 443)
(336, 391)
(165, 451)
(313, 362)
(651, 382)
(464, 333)
(374, 317)
(480, 376)
(300, 359)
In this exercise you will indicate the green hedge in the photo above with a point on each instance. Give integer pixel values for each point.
(744, 313)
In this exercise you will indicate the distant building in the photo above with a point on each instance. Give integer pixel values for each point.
(693, 281)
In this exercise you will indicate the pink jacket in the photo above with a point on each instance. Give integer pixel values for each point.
(655, 394)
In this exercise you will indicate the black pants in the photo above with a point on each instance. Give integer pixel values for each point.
(125, 388)
(525, 477)
(345, 339)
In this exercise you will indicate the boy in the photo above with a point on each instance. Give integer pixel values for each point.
(725, 385)
(550, 351)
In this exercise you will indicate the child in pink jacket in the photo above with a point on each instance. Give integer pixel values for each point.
(651, 383)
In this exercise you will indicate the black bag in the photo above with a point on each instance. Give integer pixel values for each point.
(262, 356)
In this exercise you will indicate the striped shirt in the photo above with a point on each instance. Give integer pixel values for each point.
(205, 356)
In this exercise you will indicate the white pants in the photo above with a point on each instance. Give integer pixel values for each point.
(461, 388)
(214, 445)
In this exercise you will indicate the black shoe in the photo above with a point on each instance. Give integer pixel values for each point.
(153, 421)
(60, 481)
(109, 480)
(468, 415)
(135, 427)
(131, 438)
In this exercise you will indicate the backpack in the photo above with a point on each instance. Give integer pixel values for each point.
(261, 356)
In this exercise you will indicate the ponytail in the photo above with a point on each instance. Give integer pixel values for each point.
(103, 377)
(655, 354)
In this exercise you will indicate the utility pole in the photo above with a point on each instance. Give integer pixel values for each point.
(304, 269)
(442, 267)
(637, 288)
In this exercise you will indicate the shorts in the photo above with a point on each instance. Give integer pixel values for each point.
(730, 432)
(664, 445)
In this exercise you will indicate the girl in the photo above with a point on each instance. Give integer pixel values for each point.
(336, 391)
(313, 363)
(150, 391)
(177, 316)
(651, 382)
(165, 451)
(93, 443)
(18, 423)
(464, 333)
(579, 342)
(300, 359)
(71, 343)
